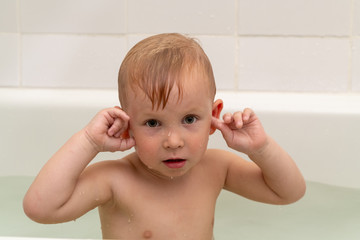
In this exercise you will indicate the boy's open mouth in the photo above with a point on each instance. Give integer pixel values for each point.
(175, 163)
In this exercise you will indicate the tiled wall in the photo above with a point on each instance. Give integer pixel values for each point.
(254, 45)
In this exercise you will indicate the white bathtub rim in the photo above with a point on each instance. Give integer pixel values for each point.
(334, 103)
(331, 118)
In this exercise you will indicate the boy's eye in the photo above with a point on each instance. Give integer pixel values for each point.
(190, 119)
(152, 123)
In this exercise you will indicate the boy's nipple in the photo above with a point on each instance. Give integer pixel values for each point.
(147, 234)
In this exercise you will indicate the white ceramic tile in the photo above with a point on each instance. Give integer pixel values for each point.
(72, 61)
(222, 54)
(134, 39)
(356, 18)
(8, 20)
(187, 16)
(73, 16)
(9, 60)
(284, 17)
(356, 65)
(294, 64)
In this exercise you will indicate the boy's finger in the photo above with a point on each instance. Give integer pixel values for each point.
(228, 118)
(126, 144)
(247, 114)
(215, 123)
(238, 119)
(117, 112)
(118, 126)
(118, 134)
(220, 125)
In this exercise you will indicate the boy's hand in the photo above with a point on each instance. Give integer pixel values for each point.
(242, 131)
(108, 131)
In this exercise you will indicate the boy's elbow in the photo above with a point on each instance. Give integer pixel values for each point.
(34, 210)
(31, 210)
(301, 190)
(296, 195)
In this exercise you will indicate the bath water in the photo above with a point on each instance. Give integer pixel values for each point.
(326, 212)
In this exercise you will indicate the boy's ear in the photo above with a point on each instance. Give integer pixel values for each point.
(216, 110)
(125, 134)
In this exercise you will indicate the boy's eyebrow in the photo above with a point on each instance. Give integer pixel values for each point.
(186, 110)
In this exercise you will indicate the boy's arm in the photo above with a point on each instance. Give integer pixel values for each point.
(273, 176)
(63, 191)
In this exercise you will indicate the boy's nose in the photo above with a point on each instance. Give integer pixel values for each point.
(173, 140)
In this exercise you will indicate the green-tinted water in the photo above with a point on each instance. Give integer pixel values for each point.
(326, 212)
(13, 221)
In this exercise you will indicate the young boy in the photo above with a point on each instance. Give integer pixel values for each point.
(167, 188)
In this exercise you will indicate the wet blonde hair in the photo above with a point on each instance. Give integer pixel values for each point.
(157, 63)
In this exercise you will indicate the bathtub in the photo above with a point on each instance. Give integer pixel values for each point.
(320, 131)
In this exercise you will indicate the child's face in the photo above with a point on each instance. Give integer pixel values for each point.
(170, 141)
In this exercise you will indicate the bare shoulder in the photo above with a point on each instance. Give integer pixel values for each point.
(223, 157)
(106, 176)
(226, 160)
(219, 162)
(236, 170)
(109, 168)
(101, 179)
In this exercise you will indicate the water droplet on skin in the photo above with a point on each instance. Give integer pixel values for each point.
(130, 216)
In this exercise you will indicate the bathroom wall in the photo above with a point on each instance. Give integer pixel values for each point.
(254, 45)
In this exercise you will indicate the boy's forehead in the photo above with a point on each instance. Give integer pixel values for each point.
(189, 87)
(191, 79)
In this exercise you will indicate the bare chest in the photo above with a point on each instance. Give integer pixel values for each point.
(169, 212)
